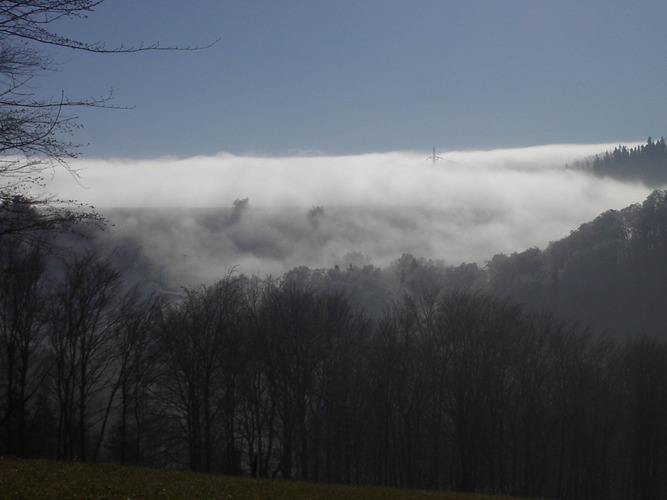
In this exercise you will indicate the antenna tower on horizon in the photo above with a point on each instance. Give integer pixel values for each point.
(434, 157)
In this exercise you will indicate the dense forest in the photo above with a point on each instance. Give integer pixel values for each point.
(543, 374)
(645, 163)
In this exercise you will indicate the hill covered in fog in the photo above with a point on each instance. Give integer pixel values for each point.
(313, 211)
(609, 272)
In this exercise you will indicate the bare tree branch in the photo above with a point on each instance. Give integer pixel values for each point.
(34, 131)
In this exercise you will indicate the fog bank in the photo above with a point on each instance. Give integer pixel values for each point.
(314, 210)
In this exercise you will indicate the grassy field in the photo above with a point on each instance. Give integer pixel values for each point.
(37, 479)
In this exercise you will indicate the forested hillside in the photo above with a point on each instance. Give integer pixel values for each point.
(414, 375)
(646, 163)
(610, 272)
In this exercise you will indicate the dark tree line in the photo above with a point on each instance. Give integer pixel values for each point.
(447, 386)
(646, 163)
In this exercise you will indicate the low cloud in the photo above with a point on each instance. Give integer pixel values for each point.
(313, 210)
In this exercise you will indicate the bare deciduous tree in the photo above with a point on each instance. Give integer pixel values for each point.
(83, 316)
(22, 298)
(35, 131)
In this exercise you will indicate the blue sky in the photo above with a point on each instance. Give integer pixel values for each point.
(354, 76)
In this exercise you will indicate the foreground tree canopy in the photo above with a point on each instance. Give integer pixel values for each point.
(416, 375)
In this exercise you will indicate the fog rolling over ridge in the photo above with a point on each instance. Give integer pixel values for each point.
(316, 210)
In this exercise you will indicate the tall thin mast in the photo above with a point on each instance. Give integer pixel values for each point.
(434, 157)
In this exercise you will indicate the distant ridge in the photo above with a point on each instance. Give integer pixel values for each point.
(646, 163)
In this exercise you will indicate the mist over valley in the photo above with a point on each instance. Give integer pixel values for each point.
(197, 218)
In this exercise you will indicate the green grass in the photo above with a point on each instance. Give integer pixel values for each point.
(37, 479)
